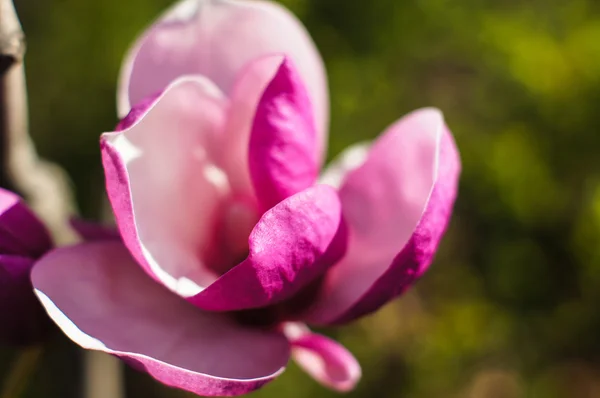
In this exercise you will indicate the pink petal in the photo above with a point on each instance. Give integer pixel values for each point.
(245, 96)
(138, 111)
(282, 153)
(288, 249)
(21, 232)
(21, 316)
(351, 158)
(326, 360)
(397, 205)
(217, 39)
(102, 301)
(163, 184)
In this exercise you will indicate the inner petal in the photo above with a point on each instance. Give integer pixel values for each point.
(229, 245)
(292, 244)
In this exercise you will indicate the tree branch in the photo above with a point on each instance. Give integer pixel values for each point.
(43, 184)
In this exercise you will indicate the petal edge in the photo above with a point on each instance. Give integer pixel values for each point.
(397, 206)
(110, 305)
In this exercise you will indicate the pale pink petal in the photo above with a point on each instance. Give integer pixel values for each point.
(21, 232)
(326, 360)
(102, 301)
(246, 93)
(282, 156)
(163, 184)
(397, 205)
(217, 39)
(22, 319)
(350, 159)
(287, 251)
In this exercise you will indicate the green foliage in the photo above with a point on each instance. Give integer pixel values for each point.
(509, 308)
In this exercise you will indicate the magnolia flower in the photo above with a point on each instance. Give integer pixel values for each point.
(23, 240)
(231, 242)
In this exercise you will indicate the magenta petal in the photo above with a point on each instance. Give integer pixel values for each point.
(286, 249)
(101, 300)
(21, 232)
(92, 231)
(326, 360)
(217, 39)
(282, 154)
(138, 111)
(164, 185)
(397, 205)
(23, 238)
(245, 95)
(21, 316)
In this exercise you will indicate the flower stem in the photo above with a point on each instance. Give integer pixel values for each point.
(103, 376)
(23, 367)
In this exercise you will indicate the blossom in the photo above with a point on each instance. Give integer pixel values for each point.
(232, 241)
(23, 239)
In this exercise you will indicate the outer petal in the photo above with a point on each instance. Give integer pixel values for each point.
(21, 232)
(282, 155)
(163, 184)
(100, 299)
(397, 205)
(326, 360)
(21, 316)
(287, 249)
(217, 38)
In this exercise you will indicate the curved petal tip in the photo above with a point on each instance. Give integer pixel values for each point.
(326, 360)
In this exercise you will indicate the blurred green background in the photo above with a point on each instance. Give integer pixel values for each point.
(510, 308)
